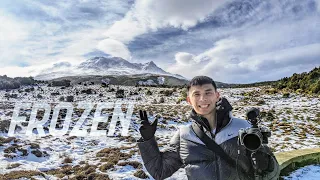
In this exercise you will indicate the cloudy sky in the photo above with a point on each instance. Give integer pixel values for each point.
(234, 41)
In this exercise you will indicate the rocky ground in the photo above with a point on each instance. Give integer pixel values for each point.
(294, 120)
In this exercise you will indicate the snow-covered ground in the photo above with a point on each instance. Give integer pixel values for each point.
(294, 121)
(311, 172)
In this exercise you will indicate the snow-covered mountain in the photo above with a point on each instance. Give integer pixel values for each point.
(119, 64)
(106, 63)
(104, 66)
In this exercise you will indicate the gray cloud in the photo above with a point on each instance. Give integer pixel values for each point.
(146, 16)
(46, 31)
(262, 50)
(233, 41)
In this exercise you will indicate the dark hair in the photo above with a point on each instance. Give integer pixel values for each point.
(201, 80)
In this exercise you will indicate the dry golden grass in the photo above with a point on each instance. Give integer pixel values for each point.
(140, 174)
(82, 162)
(127, 139)
(287, 139)
(14, 165)
(135, 164)
(95, 176)
(112, 155)
(34, 146)
(6, 140)
(106, 166)
(21, 174)
(79, 171)
(67, 160)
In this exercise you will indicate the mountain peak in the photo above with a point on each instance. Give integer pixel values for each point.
(151, 63)
(104, 63)
(103, 58)
(109, 65)
(151, 67)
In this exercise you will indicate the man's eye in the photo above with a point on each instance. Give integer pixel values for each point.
(196, 94)
(209, 93)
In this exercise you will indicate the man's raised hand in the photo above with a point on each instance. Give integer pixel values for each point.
(147, 130)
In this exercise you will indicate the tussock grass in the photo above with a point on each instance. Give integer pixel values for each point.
(67, 160)
(106, 166)
(21, 174)
(14, 165)
(140, 174)
(135, 164)
(79, 171)
(112, 155)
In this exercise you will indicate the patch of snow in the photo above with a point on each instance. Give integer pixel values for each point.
(311, 172)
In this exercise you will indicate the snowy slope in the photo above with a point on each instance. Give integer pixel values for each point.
(102, 66)
(295, 125)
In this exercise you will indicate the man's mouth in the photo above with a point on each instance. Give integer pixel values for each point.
(204, 106)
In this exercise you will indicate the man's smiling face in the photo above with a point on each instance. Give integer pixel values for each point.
(203, 98)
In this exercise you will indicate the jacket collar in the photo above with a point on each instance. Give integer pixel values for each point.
(221, 120)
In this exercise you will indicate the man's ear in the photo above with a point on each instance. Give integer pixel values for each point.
(217, 94)
(188, 100)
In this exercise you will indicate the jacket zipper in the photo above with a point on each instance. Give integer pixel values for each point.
(226, 125)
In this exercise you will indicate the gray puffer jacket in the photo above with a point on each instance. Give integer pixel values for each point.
(188, 151)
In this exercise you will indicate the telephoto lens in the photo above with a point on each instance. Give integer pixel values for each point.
(252, 139)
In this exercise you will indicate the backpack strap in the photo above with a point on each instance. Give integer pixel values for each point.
(214, 147)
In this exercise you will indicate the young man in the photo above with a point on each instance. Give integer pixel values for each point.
(212, 115)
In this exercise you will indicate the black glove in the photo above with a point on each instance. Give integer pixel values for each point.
(264, 162)
(147, 130)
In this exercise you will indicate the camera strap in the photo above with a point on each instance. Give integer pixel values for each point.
(213, 146)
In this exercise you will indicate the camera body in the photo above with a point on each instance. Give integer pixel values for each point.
(252, 138)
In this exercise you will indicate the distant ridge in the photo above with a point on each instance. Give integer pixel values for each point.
(103, 66)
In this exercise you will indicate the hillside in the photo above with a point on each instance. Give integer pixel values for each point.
(14, 83)
(102, 66)
(294, 122)
(126, 80)
(301, 83)
(306, 82)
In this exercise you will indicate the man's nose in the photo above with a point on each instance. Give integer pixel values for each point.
(203, 98)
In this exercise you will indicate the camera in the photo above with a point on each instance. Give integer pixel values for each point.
(252, 138)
